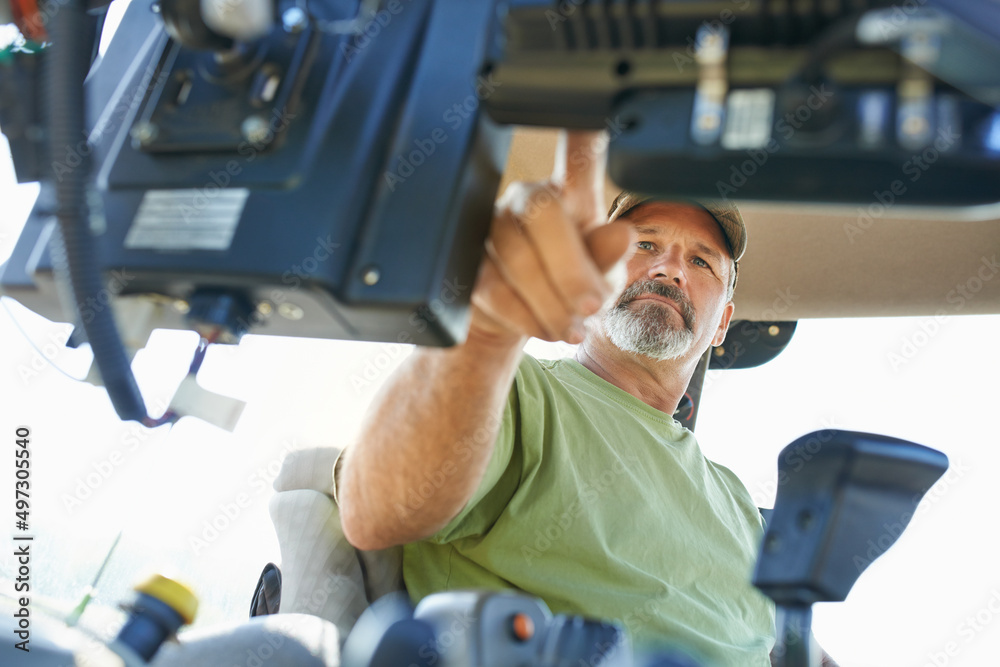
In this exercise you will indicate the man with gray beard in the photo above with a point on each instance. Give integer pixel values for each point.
(569, 479)
(648, 331)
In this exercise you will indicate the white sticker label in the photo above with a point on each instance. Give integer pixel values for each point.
(190, 219)
(749, 114)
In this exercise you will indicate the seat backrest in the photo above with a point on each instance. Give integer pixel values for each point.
(321, 573)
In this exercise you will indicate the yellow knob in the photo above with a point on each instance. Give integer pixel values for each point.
(174, 594)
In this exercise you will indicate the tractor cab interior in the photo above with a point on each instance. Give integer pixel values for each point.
(232, 226)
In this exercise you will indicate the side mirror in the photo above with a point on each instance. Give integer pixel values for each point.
(843, 499)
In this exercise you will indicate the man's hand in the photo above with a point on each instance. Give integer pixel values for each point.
(549, 251)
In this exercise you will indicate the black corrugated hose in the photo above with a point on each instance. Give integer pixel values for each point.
(72, 35)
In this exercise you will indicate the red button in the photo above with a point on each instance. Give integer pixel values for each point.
(523, 627)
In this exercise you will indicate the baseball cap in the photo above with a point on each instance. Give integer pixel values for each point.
(724, 212)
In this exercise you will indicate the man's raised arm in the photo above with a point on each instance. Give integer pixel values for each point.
(547, 255)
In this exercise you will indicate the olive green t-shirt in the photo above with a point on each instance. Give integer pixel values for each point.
(605, 507)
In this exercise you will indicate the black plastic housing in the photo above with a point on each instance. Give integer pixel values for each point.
(843, 499)
(360, 212)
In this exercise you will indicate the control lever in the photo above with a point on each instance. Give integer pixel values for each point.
(481, 628)
(843, 499)
(387, 635)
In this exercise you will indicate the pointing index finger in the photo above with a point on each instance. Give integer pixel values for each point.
(581, 158)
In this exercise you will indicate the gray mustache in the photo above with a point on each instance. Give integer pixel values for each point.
(672, 292)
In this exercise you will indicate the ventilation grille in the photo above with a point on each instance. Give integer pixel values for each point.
(594, 25)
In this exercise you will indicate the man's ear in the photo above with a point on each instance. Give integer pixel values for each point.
(727, 315)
